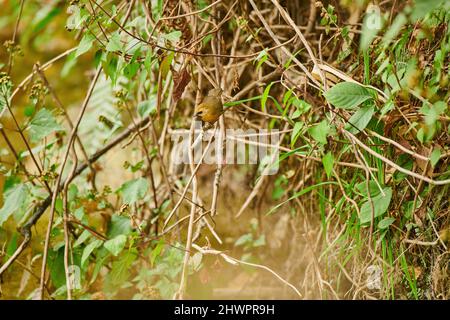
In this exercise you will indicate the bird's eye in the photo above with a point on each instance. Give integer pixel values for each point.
(199, 113)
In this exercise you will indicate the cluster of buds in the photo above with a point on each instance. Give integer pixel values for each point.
(328, 13)
(126, 165)
(5, 79)
(38, 91)
(13, 48)
(106, 190)
(150, 292)
(121, 96)
(99, 16)
(5, 89)
(242, 22)
(49, 175)
(106, 121)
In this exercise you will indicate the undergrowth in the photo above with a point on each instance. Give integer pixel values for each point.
(95, 207)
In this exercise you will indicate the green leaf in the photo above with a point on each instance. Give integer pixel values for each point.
(121, 269)
(11, 247)
(14, 200)
(89, 249)
(360, 119)
(380, 206)
(298, 194)
(10, 182)
(156, 252)
(423, 7)
(55, 265)
(77, 17)
(195, 261)
(59, 205)
(79, 213)
(114, 43)
(5, 93)
(433, 112)
(296, 132)
(85, 44)
(372, 23)
(385, 223)
(347, 95)
(373, 188)
(147, 107)
(425, 135)
(328, 161)
(388, 106)
(43, 17)
(279, 190)
(42, 124)
(119, 225)
(82, 238)
(265, 96)
(296, 114)
(71, 61)
(261, 241)
(406, 162)
(238, 102)
(173, 37)
(261, 58)
(131, 69)
(157, 9)
(116, 245)
(301, 105)
(29, 110)
(207, 39)
(134, 190)
(320, 132)
(395, 28)
(166, 288)
(246, 238)
(164, 67)
(110, 66)
(286, 97)
(435, 156)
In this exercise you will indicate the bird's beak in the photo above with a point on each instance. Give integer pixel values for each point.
(198, 115)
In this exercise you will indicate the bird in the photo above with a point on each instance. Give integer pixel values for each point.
(211, 108)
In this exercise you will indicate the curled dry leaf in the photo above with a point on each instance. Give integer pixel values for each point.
(180, 80)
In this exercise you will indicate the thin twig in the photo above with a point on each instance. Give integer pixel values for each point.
(25, 229)
(394, 165)
(235, 261)
(58, 180)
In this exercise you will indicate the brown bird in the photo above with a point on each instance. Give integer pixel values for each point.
(211, 108)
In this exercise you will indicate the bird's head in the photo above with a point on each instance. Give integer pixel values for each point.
(217, 92)
(200, 111)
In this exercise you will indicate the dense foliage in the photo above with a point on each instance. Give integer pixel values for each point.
(95, 207)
